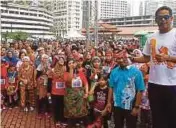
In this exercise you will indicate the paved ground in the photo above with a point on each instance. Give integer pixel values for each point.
(16, 118)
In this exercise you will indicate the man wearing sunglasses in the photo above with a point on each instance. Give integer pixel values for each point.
(160, 50)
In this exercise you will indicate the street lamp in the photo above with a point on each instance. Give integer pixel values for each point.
(96, 23)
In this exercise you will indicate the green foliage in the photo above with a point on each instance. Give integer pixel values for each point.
(16, 35)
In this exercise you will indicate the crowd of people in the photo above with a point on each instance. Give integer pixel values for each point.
(73, 76)
(80, 84)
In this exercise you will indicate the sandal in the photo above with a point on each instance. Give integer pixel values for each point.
(64, 125)
(58, 125)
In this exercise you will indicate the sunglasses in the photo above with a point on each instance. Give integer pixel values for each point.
(160, 17)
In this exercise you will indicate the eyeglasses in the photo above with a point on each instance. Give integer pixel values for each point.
(160, 17)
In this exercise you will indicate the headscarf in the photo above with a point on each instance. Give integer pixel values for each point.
(26, 58)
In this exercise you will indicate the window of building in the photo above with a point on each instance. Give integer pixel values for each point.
(22, 13)
(11, 12)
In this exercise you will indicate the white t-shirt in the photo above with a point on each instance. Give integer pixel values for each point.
(162, 73)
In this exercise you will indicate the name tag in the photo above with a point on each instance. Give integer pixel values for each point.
(60, 85)
(76, 82)
(12, 80)
(2, 81)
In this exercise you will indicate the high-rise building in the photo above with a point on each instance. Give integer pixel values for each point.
(174, 15)
(89, 13)
(67, 16)
(35, 21)
(112, 8)
(105, 9)
(32, 3)
(152, 5)
(142, 8)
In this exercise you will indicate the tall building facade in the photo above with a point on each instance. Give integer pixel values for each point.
(132, 21)
(142, 8)
(32, 20)
(67, 16)
(150, 6)
(112, 8)
(174, 22)
(32, 3)
(89, 13)
(105, 9)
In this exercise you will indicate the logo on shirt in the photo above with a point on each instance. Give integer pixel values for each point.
(60, 85)
(76, 82)
(2, 81)
(162, 50)
(129, 94)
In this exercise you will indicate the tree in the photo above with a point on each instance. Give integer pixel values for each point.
(16, 35)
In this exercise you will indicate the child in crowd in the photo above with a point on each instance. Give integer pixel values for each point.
(145, 115)
(95, 75)
(12, 86)
(4, 83)
(100, 100)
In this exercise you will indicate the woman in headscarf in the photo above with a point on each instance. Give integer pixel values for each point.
(58, 80)
(26, 77)
(42, 83)
(137, 53)
(10, 58)
(76, 95)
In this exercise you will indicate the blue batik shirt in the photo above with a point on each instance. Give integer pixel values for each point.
(126, 83)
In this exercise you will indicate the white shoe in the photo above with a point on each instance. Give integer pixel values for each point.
(31, 108)
(25, 109)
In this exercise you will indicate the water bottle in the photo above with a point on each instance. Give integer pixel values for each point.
(49, 100)
(96, 77)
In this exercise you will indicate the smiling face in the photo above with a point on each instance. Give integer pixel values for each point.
(122, 59)
(164, 20)
(25, 62)
(61, 61)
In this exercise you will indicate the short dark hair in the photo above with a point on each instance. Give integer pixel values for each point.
(164, 8)
(74, 48)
